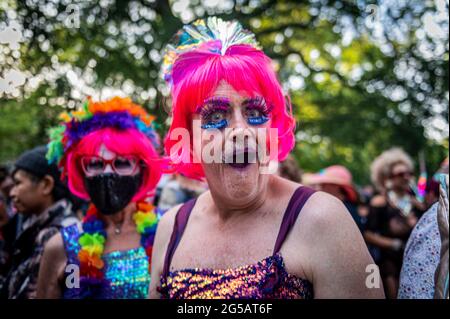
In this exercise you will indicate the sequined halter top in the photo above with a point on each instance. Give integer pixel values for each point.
(126, 271)
(266, 279)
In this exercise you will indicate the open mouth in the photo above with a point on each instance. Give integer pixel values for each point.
(241, 159)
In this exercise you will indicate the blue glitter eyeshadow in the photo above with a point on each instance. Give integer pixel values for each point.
(219, 125)
(257, 120)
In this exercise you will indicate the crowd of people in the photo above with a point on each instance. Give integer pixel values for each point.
(139, 222)
(387, 213)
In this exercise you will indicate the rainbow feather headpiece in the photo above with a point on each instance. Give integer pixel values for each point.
(192, 36)
(120, 113)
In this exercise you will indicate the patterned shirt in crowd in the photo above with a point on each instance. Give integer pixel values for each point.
(421, 258)
(21, 281)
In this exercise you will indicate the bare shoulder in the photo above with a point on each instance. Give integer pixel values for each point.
(323, 211)
(163, 233)
(167, 220)
(54, 249)
(335, 256)
(324, 227)
(378, 201)
(322, 219)
(326, 223)
(166, 223)
(52, 268)
(162, 238)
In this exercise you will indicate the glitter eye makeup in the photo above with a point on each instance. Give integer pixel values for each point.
(256, 111)
(219, 125)
(257, 120)
(213, 113)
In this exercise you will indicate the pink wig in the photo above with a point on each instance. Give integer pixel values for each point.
(196, 74)
(121, 142)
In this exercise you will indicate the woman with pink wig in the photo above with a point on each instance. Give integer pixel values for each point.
(253, 234)
(107, 153)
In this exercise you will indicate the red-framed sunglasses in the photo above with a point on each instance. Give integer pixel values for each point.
(121, 164)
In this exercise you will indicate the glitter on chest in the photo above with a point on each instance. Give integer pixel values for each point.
(266, 279)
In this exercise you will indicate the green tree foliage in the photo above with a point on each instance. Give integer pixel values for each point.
(362, 76)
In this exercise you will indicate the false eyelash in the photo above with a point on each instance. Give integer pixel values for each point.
(215, 101)
(258, 103)
(212, 105)
(208, 109)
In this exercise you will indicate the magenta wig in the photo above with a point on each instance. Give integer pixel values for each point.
(195, 76)
(121, 142)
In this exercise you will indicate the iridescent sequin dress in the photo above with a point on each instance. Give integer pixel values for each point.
(267, 279)
(126, 271)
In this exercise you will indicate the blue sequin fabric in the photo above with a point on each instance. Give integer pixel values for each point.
(266, 279)
(126, 271)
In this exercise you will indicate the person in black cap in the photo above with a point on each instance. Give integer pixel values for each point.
(43, 201)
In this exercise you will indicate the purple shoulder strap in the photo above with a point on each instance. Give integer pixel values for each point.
(296, 203)
(181, 220)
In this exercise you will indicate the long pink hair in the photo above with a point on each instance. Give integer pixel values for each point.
(121, 142)
(196, 74)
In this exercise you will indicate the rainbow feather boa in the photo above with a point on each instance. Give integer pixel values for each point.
(92, 243)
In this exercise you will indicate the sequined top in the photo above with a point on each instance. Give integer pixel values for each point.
(267, 279)
(126, 271)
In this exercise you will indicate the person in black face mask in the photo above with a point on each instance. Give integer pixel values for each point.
(111, 192)
(109, 158)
